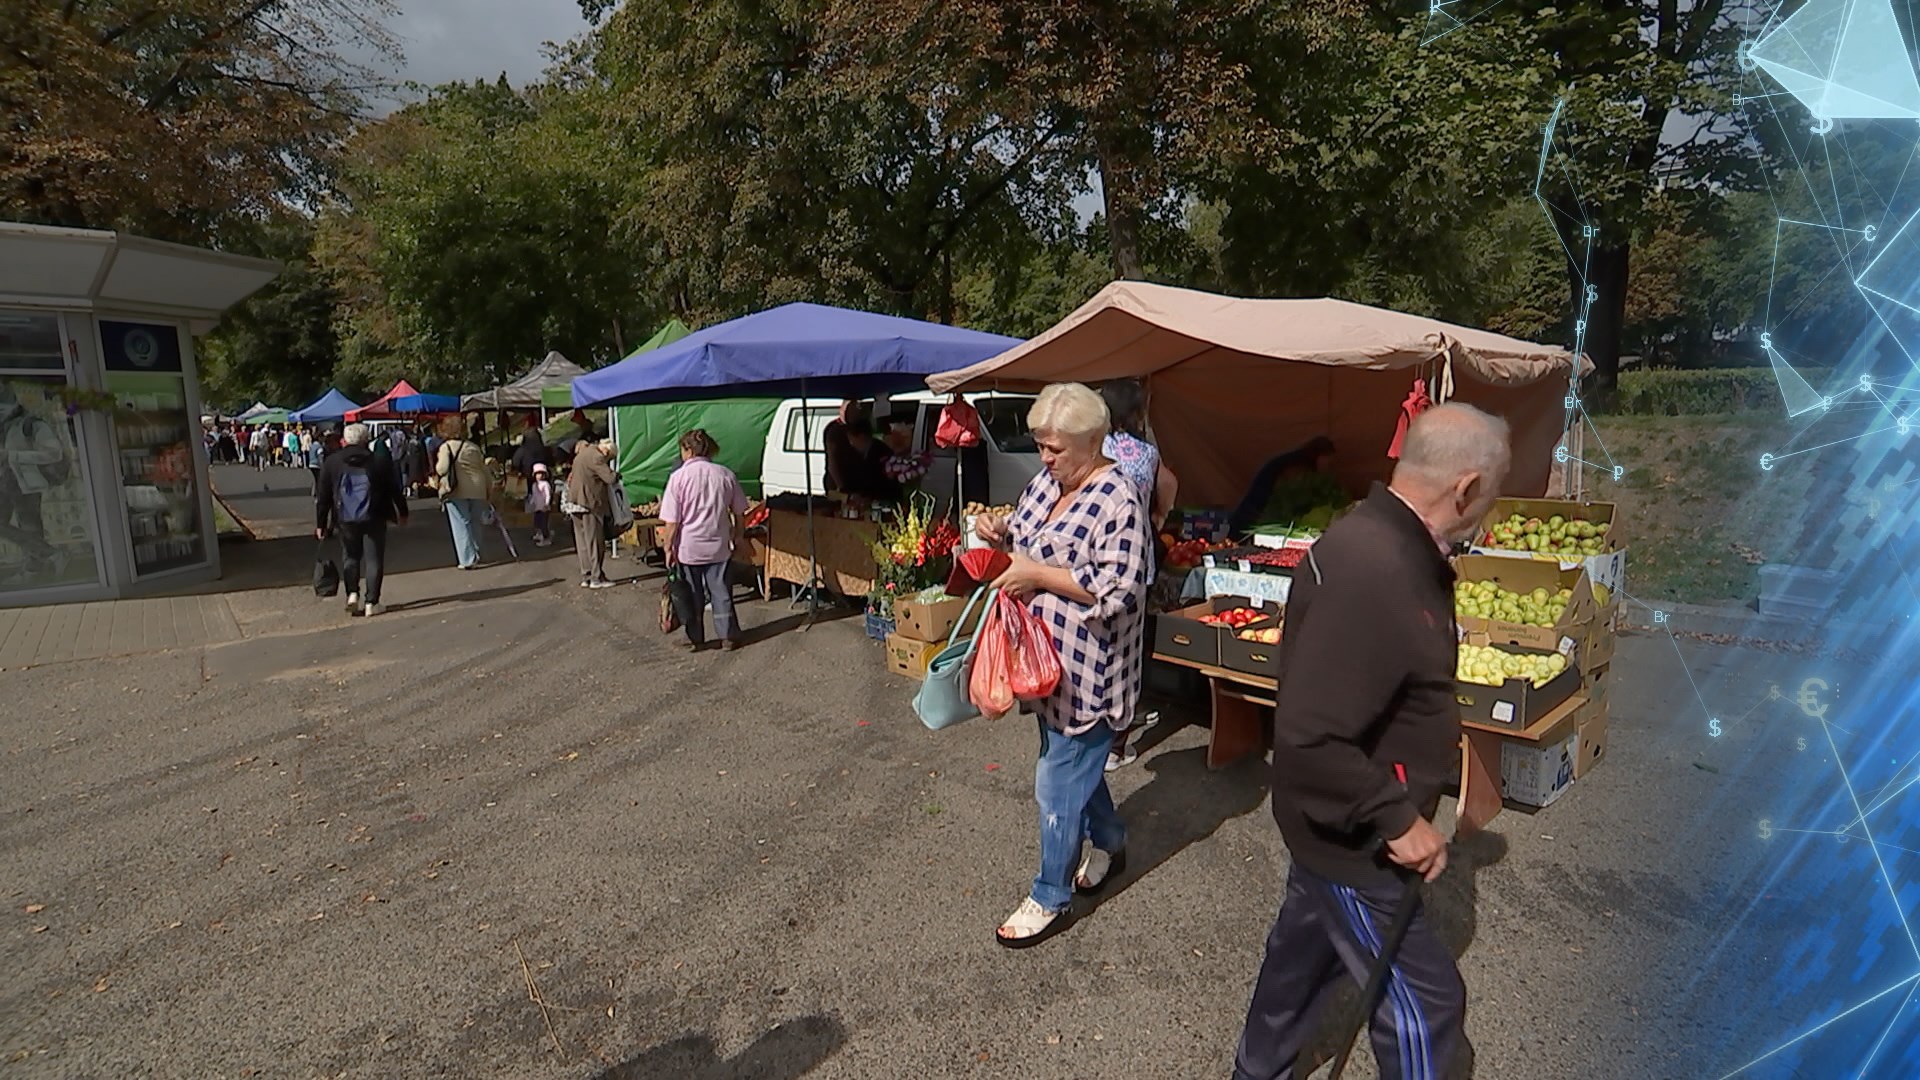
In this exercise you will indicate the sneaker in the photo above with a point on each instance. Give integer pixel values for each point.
(586, 584)
(730, 645)
(600, 585)
(1120, 759)
(371, 610)
(353, 602)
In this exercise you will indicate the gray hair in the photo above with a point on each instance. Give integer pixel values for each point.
(1071, 410)
(1449, 441)
(357, 435)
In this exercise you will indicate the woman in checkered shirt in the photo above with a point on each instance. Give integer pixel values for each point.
(1082, 557)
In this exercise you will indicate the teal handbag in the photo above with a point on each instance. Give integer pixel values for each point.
(942, 701)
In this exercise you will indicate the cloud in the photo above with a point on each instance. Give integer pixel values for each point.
(448, 40)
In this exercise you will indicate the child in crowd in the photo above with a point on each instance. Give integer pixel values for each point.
(539, 500)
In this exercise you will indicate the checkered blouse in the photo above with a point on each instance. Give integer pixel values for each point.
(1103, 537)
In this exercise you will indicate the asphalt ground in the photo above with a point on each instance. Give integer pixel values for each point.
(506, 830)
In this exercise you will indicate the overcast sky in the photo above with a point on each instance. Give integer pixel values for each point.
(446, 40)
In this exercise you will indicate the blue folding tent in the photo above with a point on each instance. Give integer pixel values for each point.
(332, 405)
(797, 350)
(424, 403)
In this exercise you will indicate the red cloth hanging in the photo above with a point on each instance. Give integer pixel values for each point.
(1417, 402)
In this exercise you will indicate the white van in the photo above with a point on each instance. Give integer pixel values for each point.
(1011, 460)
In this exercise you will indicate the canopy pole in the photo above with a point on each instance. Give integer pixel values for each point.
(813, 550)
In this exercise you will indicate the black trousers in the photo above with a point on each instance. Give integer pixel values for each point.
(1327, 931)
(365, 554)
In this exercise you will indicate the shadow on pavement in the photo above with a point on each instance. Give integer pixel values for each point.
(469, 597)
(1183, 804)
(787, 1052)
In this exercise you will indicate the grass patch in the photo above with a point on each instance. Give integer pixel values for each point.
(224, 523)
(1694, 506)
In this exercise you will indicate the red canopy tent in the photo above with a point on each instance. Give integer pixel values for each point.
(382, 408)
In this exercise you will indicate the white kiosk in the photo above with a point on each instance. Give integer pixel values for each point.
(103, 472)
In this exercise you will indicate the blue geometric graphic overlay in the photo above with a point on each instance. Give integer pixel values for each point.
(1844, 59)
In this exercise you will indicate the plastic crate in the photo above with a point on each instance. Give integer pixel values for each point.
(879, 626)
(1796, 591)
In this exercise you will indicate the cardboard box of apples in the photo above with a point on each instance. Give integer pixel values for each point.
(1536, 605)
(1510, 686)
(1557, 531)
(1196, 632)
(1254, 647)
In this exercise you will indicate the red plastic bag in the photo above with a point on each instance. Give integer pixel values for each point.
(1036, 663)
(990, 684)
(959, 425)
(1015, 659)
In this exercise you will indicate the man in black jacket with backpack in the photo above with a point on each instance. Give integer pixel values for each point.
(1366, 735)
(356, 498)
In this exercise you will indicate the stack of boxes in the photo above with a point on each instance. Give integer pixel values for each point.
(1567, 717)
(921, 625)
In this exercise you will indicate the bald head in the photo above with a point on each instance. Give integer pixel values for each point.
(1452, 465)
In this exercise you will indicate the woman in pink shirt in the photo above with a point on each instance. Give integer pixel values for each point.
(703, 513)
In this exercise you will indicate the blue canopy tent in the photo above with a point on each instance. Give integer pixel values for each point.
(332, 405)
(791, 351)
(424, 403)
(796, 350)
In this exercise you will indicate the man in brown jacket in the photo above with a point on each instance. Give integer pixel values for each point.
(590, 486)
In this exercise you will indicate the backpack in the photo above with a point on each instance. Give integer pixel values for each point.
(353, 496)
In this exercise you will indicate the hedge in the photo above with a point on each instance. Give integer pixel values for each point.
(1702, 391)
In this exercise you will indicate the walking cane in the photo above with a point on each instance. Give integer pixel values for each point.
(1383, 963)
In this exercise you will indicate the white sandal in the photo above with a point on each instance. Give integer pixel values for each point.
(1031, 924)
(1097, 868)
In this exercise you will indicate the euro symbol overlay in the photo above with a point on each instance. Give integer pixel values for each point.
(1810, 702)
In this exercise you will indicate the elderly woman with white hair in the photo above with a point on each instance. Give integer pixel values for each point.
(1082, 557)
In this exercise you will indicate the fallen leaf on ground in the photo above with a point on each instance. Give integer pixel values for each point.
(35, 909)
(101, 985)
(39, 929)
(316, 916)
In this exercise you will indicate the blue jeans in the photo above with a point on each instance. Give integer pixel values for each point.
(463, 517)
(1070, 784)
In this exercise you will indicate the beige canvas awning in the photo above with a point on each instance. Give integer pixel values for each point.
(1235, 381)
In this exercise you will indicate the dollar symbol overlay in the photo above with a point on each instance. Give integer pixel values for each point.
(1766, 829)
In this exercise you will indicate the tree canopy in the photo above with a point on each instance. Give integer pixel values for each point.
(991, 162)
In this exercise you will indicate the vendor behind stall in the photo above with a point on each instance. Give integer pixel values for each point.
(1289, 486)
(856, 461)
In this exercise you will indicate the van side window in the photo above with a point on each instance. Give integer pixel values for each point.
(798, 439)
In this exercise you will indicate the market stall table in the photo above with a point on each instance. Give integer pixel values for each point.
(1242, 703)
(844, 551)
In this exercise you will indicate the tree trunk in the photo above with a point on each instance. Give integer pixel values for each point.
(1119, 192)
(1606, 318)
(619, 339)
(946, 284)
